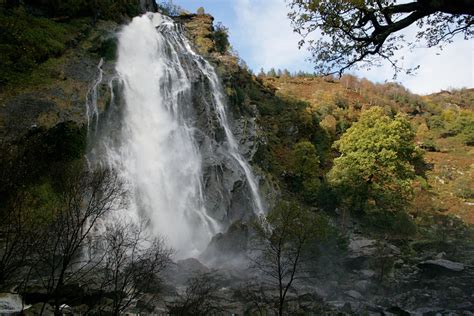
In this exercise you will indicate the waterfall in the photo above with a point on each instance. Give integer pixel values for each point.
(158, 145)
(233, 148)
(92, 110)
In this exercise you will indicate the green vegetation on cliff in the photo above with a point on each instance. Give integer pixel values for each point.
(28, 40)
(32, 32)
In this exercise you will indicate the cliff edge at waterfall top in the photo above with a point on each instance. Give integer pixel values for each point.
(154, 160)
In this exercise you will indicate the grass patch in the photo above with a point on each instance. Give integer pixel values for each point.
(28, 41)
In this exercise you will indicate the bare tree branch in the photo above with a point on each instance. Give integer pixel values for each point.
(281, 239)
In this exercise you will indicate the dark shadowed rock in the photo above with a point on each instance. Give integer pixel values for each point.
(148, 6)
(24, 112)
(362, 285)
(361, 249)
(191, 265)
(441, 265)
(395, 310)
(84, 69)
(354, 294)
(361, 246)
(231, 244)
(178, 273)
(367, 273)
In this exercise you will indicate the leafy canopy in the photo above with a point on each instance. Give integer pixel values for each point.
(376, 162)
(306, 170)
(364, 32)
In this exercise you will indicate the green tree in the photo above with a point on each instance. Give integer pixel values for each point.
(221, 38)
(363, 32)
(462, 126)
(272, 73)
(376, 165)
(99, 9)
(283, 239)
(305, 167)
(201, 11)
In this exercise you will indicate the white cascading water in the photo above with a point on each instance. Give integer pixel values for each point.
(158, 153)
(92, 110)
(207, 69)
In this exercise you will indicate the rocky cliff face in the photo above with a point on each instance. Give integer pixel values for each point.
(56, 90)
(148, 6)
(229, 197)
(61, 89)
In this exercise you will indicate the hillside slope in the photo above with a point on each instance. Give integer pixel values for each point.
(449, 186)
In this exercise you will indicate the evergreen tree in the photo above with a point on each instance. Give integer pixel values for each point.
(271, 72)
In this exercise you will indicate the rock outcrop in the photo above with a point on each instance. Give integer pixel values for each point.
(437, 266)
(148, 6)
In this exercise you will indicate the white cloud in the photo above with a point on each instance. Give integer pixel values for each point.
(451, 67)
(265, 36)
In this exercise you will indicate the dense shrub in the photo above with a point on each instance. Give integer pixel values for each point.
(40, 153)
(455, 123)
(398, 224)
(429, 144)
(464, 127)
(306, 170)
(221, 38)
(435, 122)
(464, 186)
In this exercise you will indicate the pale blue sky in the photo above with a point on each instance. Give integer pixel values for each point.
(261, 33)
